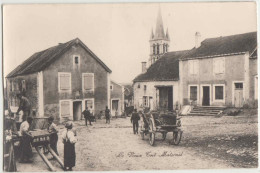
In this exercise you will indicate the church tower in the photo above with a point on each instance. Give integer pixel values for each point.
(159, 41)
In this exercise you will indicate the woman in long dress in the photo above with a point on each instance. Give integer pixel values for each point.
(69, 140)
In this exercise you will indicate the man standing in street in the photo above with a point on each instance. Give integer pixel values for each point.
(25, 106)
(134, 120)
(87, 115)
(107, 115)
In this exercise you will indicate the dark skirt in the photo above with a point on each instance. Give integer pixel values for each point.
(53, 142)
(69, 155)
(26, 149)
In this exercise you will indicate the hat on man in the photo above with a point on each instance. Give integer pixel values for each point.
(68, 125)
(51, 118)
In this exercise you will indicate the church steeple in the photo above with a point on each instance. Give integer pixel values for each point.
(152, 35)
(159, 31)
(159, 41)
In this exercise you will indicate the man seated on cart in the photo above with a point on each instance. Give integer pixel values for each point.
(26, 149)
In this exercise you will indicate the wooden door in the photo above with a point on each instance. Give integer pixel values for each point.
(238, 97)
(206, 96)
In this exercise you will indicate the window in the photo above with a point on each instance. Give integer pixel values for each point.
(64, 81)
(193, 67)
(23, 85)
(88, 81)
(65, 108)
(111, 87)
(239, 85)
(11, 86)
(76, 59)
(193, 93)
(219, 65)
(158, 48)
(144, 87)
(154, 49)
(138, 86)
(219, 92)
(146, 101)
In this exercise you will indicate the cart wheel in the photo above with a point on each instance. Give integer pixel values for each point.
(164, 134)
(142, 135)
(152, 138)
(177, 137)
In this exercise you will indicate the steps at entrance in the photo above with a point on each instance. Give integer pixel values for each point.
(206, 110)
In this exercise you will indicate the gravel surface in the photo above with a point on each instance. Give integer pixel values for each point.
(207, 143)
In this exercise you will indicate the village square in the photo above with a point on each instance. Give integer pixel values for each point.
(181, 109)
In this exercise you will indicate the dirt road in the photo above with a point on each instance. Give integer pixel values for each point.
(208, 143)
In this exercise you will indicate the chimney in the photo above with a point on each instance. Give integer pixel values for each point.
(197, 39)
(143, 67)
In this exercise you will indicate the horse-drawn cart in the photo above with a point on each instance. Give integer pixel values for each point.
(154, 122)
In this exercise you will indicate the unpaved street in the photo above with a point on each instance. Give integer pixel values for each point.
(208, 142)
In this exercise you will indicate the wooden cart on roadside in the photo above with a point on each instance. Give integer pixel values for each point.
(154, 122)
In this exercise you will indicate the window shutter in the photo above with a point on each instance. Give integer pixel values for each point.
(64, 81)
(195, 67)
(65, 108)
(140, 102)
(222, 65)
(88, 82)
(190, 67)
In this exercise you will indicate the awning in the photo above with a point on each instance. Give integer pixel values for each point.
(163, 86)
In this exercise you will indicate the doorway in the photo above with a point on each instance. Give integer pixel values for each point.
(77, 110)
(166, 98)
(238, 94)
(205, 96)
(115, 104)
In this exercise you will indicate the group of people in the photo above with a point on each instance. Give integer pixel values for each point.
(89, 117)
(68, 136)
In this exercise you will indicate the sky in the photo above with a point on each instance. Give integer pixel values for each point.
(118, 33)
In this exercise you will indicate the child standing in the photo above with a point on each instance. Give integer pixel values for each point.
(52, 128)
(69, 140)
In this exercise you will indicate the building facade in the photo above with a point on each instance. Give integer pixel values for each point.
(221, 72)
(117, 99)
(157, 88)
(62, 81)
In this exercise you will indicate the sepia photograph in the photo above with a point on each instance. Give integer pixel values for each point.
(130, 86)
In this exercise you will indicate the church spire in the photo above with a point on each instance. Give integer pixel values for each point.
(152, 35)
(159, 31)
(167, 35)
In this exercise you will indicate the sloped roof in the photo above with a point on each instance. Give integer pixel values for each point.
(221, 46)
(164, 69)
(40, 60)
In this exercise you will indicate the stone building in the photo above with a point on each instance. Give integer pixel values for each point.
(61, 81)
(117, 99)
(222, 71)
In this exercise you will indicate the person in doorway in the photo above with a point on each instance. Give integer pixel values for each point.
(134, 120)
(87, 116)
(52, 128)
(25, 106)
(69, 140)
(107, 115)
(26, 149)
